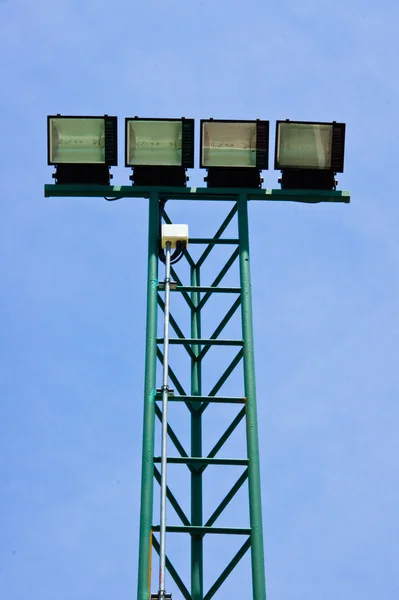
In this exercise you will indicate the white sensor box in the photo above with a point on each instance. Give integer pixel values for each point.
(174, 233)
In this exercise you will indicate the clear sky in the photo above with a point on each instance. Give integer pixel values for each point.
(325, 288)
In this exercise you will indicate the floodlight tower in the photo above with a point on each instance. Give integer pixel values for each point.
(234, 152)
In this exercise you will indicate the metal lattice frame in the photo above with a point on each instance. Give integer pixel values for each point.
(196, 297)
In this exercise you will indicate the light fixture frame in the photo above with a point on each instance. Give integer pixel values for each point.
(111, 142)
(337, 146)
(187, 142)
(262, 153)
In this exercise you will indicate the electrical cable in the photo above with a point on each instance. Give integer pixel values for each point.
(181, 248)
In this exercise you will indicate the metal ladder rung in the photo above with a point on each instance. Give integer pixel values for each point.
(202, 342)
(213, 241)
(202, 288)
(203, 460)
(203, 530)
(213, 399)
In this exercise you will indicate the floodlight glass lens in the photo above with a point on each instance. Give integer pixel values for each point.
(77, 141)
(154, 143)
(304, 145)
(228, 144)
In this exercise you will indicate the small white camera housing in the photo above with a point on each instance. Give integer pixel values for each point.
(173, 234)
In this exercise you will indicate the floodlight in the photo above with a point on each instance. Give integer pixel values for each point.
(82, 148)
(309, 154)
(234, 152)
(159, 150)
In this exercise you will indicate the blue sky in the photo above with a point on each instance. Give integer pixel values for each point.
(325, 289)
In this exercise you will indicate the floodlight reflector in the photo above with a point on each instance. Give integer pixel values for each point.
(76, 140)
(234, 144)
(159, 142)
(306, 145)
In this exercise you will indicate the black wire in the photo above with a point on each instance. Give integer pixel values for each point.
(178, 258)
(180, 246)
(179, 252)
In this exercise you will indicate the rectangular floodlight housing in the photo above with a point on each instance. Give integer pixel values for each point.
(234, 144)
(310, 145)
(159, 142)
(75, 140)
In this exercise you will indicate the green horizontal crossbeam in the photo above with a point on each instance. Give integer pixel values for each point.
(223, 439)
(202, 530)
(171, 434)
(182, 193)
(212, 241)
(227, 499)
(176, 278)
(193, 460)
(199, 399)
(172, 499)
(219, 278)
(206, 289)
(202, 342)
(172, 375)
(221, 325)
(226, 572)
(223, 378)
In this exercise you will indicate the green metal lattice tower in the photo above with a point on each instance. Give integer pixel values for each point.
(238, 298)
(196, 296)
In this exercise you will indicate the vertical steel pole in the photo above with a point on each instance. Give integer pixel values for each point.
(197, 575)
(147, 469)
(255, 502)
(165, 393)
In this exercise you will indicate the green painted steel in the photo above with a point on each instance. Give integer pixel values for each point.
(224, 377)
(173, 437)
(200, 399)
(197, 548)
(227, 499)
(223, 439)
(115, 192)
(193, 399)
(228, 241)
(226, 572)
(147, 472)
(217, 236)
(196, 295)
(218, 279)
(201, 531)
(208, 342)
(221, 326)
(173, 572)
(254, 488)
(172, 499)
(207, 289)
(202, 460)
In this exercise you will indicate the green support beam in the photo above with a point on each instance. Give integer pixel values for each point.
(254, 489)
(197, 543)
(115, 192)
(147, 468)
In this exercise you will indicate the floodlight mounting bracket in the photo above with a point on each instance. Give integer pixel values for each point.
(194, 193)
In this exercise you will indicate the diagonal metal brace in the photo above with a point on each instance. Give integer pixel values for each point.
(172, 571)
